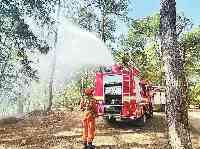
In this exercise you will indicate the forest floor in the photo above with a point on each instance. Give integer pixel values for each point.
(62, 130)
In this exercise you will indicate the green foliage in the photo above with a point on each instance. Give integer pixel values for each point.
(101, 16)
(148, 26)
(194, 94)
(83, 78)
(190, 42)
(141, 48)
(72, 95)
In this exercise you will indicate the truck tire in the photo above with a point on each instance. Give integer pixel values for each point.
(142, 120)
(149, 112)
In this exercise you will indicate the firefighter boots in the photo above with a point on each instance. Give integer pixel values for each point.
(90, 146)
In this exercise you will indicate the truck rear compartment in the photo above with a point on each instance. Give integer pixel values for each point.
(112, 101)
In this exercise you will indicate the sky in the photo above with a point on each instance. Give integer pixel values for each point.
(142, 8)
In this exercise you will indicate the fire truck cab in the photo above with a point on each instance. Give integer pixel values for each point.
(121, 94)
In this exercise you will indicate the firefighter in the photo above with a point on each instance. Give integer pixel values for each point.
(88, 106)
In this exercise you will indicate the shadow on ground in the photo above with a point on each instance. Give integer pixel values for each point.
(131, 146)
(155, 124)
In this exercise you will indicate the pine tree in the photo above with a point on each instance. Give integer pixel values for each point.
(176, 106)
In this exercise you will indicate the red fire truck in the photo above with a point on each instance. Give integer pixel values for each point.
(120, 94)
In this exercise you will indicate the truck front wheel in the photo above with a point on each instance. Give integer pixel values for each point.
(149, 112)
(142, 120)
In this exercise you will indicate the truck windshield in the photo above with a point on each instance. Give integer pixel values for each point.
(112, 79)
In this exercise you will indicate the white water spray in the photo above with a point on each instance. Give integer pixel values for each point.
(75, 48)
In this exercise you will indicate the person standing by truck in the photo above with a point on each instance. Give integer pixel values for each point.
(88, 106)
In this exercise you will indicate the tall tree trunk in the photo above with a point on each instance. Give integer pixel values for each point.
(51, 83)
(103, 23)
(177, 114)
(54, 63)
(102, 33)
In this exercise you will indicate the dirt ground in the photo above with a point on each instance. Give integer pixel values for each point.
(62, 130)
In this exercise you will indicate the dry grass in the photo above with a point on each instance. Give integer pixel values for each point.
(59, 130)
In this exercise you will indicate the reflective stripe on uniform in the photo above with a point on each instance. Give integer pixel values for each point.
(98, 97)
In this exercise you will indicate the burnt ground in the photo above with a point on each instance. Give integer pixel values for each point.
(62, 130)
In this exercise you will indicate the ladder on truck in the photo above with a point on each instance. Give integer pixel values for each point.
(126, 78)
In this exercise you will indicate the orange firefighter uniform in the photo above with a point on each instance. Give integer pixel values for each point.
(88, 106)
